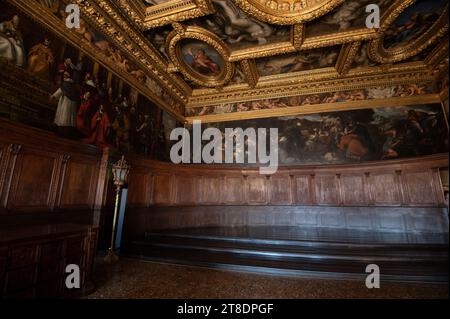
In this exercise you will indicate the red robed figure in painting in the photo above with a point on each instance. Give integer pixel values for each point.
(83, 124)
(100, 125)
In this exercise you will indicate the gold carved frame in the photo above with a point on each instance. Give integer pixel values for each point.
(205, 36)
(378, 53)
(287, 12)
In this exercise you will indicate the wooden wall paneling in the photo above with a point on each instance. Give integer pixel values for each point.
(385, 189)
(256, 190)
(211, 189)
(438, 186)
(419, 187)
(139, 187)
(327, 189)
(4, 156)
(34, 180)
(187, 189)
(403, 193)
(10, 160)
(353, 190)
(371, 184)
(103, 178)
(304, 189)
(280, 189)
(78, 182)
(163, 189)
(369, 189)
(233, 190)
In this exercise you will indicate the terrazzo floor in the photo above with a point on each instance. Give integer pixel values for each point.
(134, 279)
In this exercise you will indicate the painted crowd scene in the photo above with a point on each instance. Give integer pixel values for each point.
(356, 136)
(90, 103)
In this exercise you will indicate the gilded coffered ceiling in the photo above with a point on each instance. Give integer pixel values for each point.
(212, 53)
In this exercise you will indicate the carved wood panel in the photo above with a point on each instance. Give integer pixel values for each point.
(139, 188)
(256, 190)
(280, 190)
(34, 180)
(304, 190)
(327, 189)
(384, 189)
(233, 190)
(78, 186)
(419, 187)
(211, 190)
(162, 189)
(353, 190)
(187, 190)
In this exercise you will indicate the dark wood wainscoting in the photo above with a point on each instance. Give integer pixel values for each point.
(403, 195)
(52, 191)
(403, 183)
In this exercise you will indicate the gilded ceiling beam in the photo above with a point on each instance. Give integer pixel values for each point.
(317, 108)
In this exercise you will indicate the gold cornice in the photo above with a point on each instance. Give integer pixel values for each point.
(339, 38)
(318, 108)
(176, 11)
(346, 57)
(251, 74)
(317, 81)
(298, 35)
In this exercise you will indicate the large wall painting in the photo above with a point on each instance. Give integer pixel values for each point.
(356, 136)
(65, 91)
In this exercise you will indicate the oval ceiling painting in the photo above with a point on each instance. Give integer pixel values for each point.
(201, 58)
(413, 22)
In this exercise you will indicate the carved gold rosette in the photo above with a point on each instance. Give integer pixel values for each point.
(287, 12)
(174, 40)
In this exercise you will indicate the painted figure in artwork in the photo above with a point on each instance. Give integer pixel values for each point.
(83, 120)
(63, 68)
(99, 127)
(389, 146)
(203, 63)
(144, 130)
(40, 59)
(121, 127)
(353, 142)
(66, 113)
(11, 42)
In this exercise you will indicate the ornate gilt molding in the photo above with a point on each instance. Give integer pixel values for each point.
(287, 12)
(347, 56)
(176, 11)
(249, 69)
(378, 53)
(204, 36)
(317, 108)
(293, 85)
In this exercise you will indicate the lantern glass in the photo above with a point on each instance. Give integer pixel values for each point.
(121, 170)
